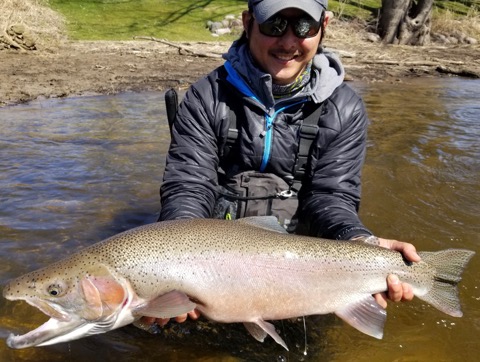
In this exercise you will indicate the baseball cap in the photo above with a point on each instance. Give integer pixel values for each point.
(264, 9)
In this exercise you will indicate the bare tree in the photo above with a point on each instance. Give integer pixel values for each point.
(405, 21)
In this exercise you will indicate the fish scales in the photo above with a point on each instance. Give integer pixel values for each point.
(247, 271)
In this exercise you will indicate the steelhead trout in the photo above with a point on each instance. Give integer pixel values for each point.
(249, 270)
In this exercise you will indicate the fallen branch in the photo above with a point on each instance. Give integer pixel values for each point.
(5, 38)
(460, 72)
(181, 48)
(412, 63)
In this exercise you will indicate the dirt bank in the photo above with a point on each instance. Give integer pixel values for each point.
(101, 67)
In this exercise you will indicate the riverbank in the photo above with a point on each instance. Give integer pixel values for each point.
(108, 67)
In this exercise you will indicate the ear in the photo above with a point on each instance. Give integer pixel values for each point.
(328, 18)
(246, 17)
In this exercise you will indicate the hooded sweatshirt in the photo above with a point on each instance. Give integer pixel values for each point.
(268, 141)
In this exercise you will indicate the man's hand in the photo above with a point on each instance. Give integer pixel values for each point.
(194, 314)
(397, 291)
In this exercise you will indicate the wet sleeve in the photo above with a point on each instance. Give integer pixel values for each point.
(190, 177)
(330, 198)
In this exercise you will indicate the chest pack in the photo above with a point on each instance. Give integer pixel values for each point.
(253, 193)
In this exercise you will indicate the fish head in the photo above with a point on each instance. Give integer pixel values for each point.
(80, 300)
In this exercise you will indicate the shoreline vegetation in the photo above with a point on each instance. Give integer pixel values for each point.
(55, 48)
(53, 21)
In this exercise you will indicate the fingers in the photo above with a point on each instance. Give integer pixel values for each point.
(194, 314)
(148, 320)
(398, 291)
(407, 292)
(181, 318)
(395, 290)
(408, 250)
(162, 321)
(381, 299)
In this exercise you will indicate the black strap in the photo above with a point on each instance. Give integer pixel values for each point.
(307, 133)
(171, 105)
(232, 128)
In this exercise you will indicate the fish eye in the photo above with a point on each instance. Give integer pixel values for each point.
(54, 290)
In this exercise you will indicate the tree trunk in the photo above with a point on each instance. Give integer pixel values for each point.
(405, 21)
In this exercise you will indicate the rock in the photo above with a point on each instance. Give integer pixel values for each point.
(236, 23)
(223, 31)
(372, 37)
(439, 38)
(17, 36)
(18, 29)
(214, 26)
(452, 40)
(470, 40)
(230, 24)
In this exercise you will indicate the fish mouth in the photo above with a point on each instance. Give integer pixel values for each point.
(60, 327)
(63, 326)
(51, 310)
(52, 331)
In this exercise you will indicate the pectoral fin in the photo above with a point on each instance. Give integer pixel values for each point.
(259, 330)
(366, 315)
(168, 305)
(103, 295)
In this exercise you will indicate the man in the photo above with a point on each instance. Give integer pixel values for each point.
(278, 84)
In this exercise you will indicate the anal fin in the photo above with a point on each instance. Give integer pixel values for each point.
(254, 329)
(259, 330)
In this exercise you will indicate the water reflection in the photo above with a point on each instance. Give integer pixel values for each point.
(74, 171)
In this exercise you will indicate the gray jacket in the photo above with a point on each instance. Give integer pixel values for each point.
(268, 142)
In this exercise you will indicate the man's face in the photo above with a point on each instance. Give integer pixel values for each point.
(284, 57)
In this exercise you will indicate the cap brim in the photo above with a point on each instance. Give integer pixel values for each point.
(263, 12)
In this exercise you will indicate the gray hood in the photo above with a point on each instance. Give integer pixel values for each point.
(327, 74)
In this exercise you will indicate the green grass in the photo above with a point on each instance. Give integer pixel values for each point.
(350, 9)
(178, 20)
(458, 7)
(185, 20)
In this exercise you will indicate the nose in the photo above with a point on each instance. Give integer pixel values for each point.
(289, 39)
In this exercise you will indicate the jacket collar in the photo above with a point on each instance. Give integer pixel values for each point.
(328, 74)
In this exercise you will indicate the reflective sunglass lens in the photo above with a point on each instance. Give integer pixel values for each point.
(302, 27)
(274, 27)
(305, 28)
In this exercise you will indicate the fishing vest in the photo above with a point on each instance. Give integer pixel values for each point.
(253, 193)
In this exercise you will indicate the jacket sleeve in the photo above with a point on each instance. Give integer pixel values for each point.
(190, 177)
(330, 197)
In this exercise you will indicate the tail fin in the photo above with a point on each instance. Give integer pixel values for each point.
(448, 265)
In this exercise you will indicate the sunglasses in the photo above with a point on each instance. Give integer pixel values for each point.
(302, 27)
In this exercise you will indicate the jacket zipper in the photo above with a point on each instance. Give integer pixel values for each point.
(269, 120)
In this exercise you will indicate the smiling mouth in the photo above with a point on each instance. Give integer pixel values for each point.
(285, 57)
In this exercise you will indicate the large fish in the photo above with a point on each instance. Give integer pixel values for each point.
(247, 271)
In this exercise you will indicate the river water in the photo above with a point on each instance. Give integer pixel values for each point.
(75, 171)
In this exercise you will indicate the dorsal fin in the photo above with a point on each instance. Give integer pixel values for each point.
(264, 222)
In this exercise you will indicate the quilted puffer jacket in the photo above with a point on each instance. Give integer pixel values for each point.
(268, 141)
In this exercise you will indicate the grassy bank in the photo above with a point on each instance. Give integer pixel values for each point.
(181, 20)
(176, 20)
